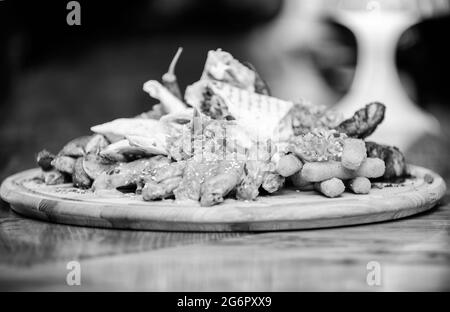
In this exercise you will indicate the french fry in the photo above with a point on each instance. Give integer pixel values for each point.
(288, 164)
(359, 185)
(321, 171)
(353, 154)
(330, 188)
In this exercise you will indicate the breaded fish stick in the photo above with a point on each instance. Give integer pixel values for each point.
(321, 171)
(359, 185)
(288, 164)
(273, 182)
(353, 153)
(330, 188)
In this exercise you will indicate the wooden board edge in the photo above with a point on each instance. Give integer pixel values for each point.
(22, 202)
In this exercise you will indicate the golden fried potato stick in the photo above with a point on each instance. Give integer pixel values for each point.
(321, 171)
(353, 153)
(359, 185)
(288, 164)
(330, 188)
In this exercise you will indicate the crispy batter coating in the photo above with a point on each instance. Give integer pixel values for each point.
(359, 185)
(333, 187)
(353, 154)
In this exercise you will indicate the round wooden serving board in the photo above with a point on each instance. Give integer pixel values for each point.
(288, 209)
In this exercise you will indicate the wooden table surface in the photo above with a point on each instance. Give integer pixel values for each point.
(413, 253)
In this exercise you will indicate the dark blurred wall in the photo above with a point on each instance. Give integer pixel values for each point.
(58, 80)
(423, 55)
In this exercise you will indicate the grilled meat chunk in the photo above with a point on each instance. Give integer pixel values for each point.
(364, 121)
(393, 158)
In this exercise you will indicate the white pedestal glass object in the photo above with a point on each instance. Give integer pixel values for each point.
(376, 79)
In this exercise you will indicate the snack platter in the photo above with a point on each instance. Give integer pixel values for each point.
(225, 155)
(287, 210)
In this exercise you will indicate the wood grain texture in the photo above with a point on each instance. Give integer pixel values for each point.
(287, 210)
(24, 241)
(413, 253)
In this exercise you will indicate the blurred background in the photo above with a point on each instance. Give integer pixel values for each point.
(58, 80)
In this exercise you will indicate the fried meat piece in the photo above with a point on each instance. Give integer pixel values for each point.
(128, 174)
(364, 121)
(153, 190)
(162, 181)
(227, 177)
(195, 173)
(252, 178)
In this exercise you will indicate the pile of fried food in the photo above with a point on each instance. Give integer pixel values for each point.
(226, 137)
